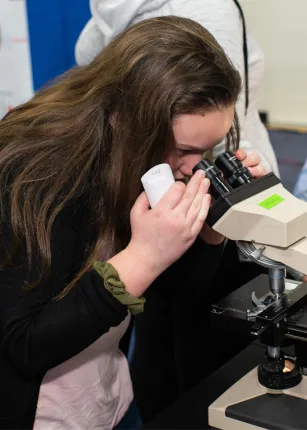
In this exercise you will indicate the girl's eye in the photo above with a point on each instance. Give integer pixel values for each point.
(183, 151)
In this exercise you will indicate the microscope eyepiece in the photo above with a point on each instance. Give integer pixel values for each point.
(233, 170)
(218, 185)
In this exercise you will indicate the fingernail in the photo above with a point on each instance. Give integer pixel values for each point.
(239, 154)
(202, 173)
(208, 198)
(206, 182)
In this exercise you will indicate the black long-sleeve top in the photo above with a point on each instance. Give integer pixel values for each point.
(38, 332)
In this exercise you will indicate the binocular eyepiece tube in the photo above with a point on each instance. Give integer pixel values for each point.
(227, 173)
(233, 170)
(218, 186)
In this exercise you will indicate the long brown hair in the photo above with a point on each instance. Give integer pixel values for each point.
(61, 144)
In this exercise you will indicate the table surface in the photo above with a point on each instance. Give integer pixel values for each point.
(191, 410)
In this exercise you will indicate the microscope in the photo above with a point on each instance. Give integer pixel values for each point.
(269, 226)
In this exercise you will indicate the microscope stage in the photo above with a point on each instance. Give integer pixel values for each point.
(235, 312)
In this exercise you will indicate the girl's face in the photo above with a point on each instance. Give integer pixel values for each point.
(194, 135)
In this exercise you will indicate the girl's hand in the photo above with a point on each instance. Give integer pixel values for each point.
(252, 162)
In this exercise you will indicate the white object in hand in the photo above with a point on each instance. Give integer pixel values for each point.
(157, 181)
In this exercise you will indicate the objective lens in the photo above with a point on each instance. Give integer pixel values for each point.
(218, 186)
(233, 170)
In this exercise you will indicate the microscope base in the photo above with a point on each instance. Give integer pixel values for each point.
(249, 405)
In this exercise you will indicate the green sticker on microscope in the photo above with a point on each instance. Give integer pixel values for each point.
(271, 201)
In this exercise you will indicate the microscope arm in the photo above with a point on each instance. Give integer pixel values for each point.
(294, 256)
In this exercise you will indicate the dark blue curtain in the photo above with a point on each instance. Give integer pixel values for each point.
(54, 27)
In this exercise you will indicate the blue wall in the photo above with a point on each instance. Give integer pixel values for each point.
(54, 27)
